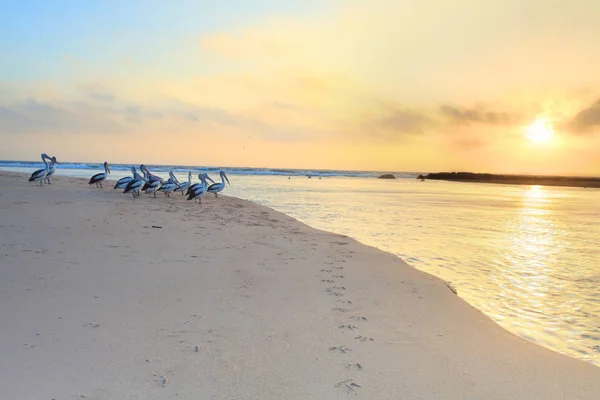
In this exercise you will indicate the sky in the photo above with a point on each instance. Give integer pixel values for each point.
(396, 85)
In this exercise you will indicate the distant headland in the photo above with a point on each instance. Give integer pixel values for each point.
(573, 181)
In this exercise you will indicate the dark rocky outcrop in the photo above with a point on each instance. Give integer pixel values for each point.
(517, 179)
(387, 176)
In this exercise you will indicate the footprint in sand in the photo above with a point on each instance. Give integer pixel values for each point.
(359, 318)
(327, 280)
(348, 385)
(348, 326)
(337, 276)
(364, 338)
(340, 349)
(340, 309)
(345, 301)
(326, 270)
(355, 366)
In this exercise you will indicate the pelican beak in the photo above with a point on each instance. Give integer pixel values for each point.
(209, 178)
(226, 178)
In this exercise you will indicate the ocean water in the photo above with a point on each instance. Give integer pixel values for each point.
(524, 255)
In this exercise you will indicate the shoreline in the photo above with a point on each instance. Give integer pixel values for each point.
(100, 302)
(563, 181)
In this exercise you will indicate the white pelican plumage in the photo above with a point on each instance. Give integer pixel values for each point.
(198, 190)
(51, 169)
(98, 178)
(149, 176)
(122, 183)
(173, 178)
(151, 183)
(152, 187)
(167, 188)
(183, 186)
(135, 185)
(217, 187)
(196, 185)
(40, 174)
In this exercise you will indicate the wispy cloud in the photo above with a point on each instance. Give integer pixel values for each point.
(469, 144)
(397, 123)
(586, 120)
(464, 115)
(35, 117)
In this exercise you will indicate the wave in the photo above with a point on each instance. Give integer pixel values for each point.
(230, 170)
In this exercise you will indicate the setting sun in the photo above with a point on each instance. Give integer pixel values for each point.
(540, 131)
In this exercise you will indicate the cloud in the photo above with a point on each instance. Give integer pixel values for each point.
(586, 120)
(469, 144)
(102, 96)
(283, 105)
(402, 121)
(215, 117)
(33, 116)
(462, 115)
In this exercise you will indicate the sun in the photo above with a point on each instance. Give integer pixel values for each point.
(540, 131)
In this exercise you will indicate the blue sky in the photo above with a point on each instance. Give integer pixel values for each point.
(37, 37)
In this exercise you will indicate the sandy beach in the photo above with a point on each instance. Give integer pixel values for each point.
(103, 296)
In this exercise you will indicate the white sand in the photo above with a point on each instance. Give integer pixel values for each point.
(96, 302)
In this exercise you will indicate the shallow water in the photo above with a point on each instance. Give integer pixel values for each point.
(524, 255)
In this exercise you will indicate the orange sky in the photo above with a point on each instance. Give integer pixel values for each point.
(384, 85)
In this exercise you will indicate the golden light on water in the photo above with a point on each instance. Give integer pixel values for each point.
(540, 131)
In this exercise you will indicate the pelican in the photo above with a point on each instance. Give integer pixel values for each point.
(149, 176)
(122, 183)
(173, 179)
(183, 186)
(152, 187)
(199, 189)
(98, 178)
(167, 188)
(51, 169)
(135, 185)
(217, 187)
(40, 174)
(196, 185)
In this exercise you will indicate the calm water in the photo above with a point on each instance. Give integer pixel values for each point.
(524, 255)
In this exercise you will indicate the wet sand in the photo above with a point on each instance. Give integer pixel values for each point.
(107, 297)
